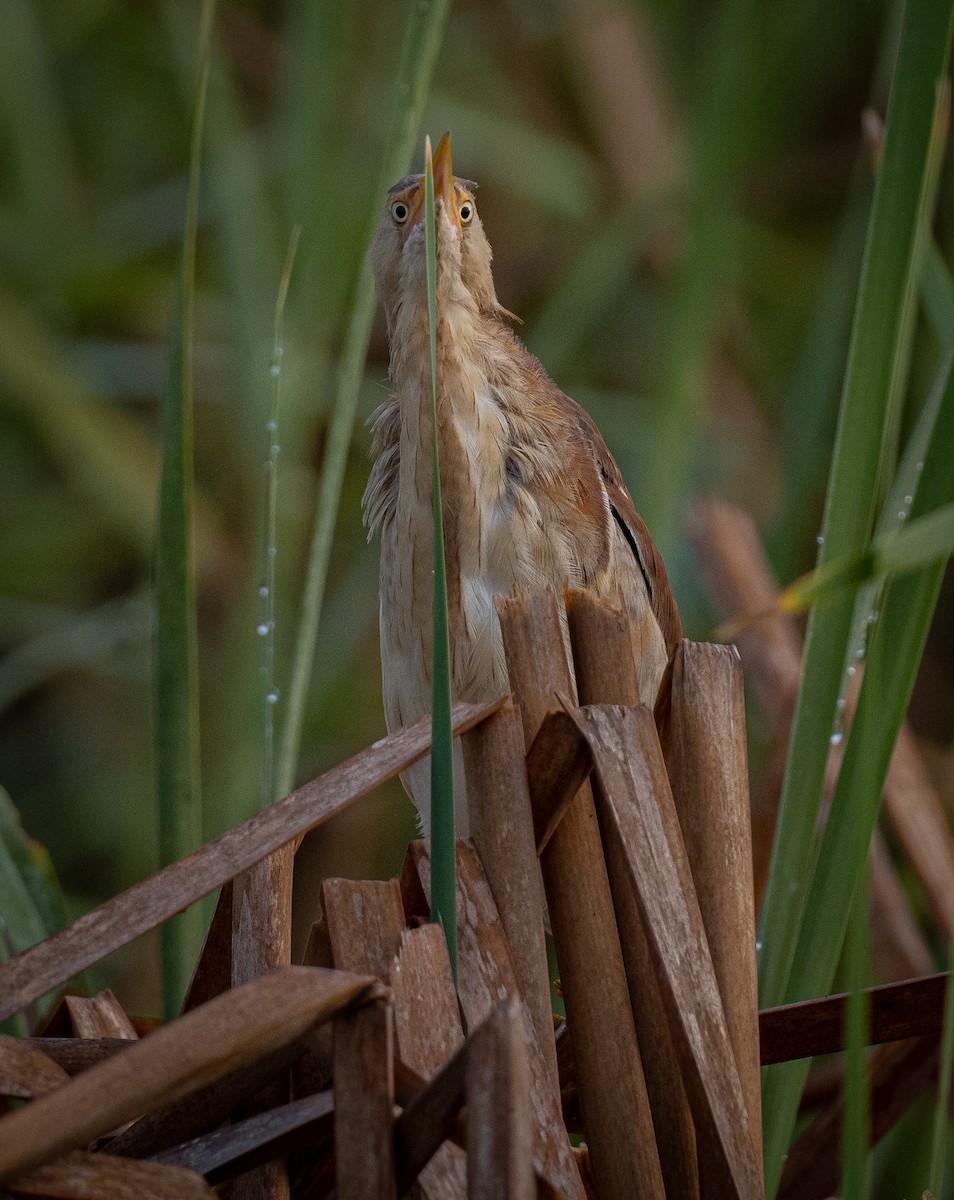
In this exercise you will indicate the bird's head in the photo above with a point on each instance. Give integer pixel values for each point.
(463, 252)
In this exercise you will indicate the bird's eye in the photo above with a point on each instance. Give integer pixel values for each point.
(399, 212)
(466, 212)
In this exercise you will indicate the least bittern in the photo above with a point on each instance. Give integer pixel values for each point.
(531, 494)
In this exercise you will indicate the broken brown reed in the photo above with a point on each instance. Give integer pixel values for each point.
(364, 1102)
(485, 974)
(25, 1072)
(242, 1145)
(640, 814)
(81, 1175)
(498, 1109)
(429, 1032)
(99, 1016)
(502, 829)
(606, 674)
(912, 1008)
(261, 941)
(612, 1087)
(177, 1060)
(142, 907)
(701, 717)
(213, 969)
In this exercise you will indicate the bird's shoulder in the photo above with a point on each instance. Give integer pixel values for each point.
(585, 454)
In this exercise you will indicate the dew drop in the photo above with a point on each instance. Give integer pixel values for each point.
(902, 513)
(860, 652)
(908, 499)
(850, 672)
(758, 947)
(276, 369)
(820, 539)
(262, 630)
(272, 551)
(275, 450)
(836, 737)
(272, 697)
(263, 592)
(272, 426)
(842, 703)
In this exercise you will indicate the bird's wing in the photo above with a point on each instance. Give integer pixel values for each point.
(630, 523)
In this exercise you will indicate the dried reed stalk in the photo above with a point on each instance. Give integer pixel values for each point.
(638, 811)
(99, 1016)
(213, 969)
(701, 718)
(429, 1033)
(237, 1028)
(612, 1086)
(502, 829)
(52, 962)
(606, 674)
(242, 1145)
(364, 1102)
(261, 941)
(81, 1175)
(25, 1072)
(499, 1165)
(485, 974)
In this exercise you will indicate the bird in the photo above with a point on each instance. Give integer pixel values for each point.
(531, 494)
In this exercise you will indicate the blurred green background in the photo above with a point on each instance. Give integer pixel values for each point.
(676, 194)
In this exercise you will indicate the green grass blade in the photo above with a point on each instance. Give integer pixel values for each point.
(266, 627)
(937, 290)
(31, 900)
(422, 39)
(893, 659)
(889, 262)
(176, 712)
(443, 846)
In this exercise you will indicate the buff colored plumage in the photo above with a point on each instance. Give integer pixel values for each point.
(531, 494)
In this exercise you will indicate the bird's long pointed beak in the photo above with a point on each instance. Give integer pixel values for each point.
(444, 178)
(443, 182)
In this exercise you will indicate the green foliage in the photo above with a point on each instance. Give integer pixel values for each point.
(176, 678)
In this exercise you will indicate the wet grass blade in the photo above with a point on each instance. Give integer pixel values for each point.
(890, 262)
(443, 847)
(266, 627)
(894, 655)
(176, 680)
(422, 39)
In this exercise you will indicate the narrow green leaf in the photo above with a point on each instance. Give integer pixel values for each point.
(937, 290)
(863, 432)
(422, 39)
(176, 685)
(31, 901)
(892, 663)
(266, 627)
(443, 843)
(928, 538)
